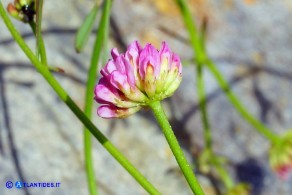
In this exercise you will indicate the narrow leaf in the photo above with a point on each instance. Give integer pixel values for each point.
(85, 30)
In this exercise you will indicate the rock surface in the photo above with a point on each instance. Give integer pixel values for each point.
(41, 140)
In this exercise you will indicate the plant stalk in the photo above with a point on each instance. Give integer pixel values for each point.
(175, 148)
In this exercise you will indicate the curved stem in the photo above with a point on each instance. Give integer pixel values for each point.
(44, 71)
(201, 54)
(260, 127)
(175, 148)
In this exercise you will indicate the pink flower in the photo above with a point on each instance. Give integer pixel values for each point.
(281, 156)
(136, 78)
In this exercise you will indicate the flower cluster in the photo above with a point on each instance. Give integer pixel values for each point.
(23, 10)
(136, 78)
(281, 155)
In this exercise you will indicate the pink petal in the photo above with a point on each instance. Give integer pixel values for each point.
(164, 51)
(104, 93)
(124, 67)
(132, 54)
(120, 81)
(119, 62)
(107, 111)
(134, 46)
(107, 94)
(132, 57)
(149, 56)
(108, 69)
(176, 62)
(114, 53)
(111, 111)
(129, 72)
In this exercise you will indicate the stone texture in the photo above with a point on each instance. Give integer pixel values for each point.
(250, 41)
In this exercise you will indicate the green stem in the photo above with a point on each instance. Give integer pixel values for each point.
(40, 44)
(175, 148)
(91, 78)
(223, 174)
(92, 186)
(201, 87)
(201, 55)
(44, 71)
(203, 105)
(260, 127)
(221, 171)
(199, 60)
(225, 177)
(105, 52)
(41, 50)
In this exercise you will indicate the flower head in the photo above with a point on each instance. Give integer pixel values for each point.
(281, 155)
(136, 78)
(23, 10)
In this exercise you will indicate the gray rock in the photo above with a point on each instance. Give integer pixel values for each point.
(42, 141)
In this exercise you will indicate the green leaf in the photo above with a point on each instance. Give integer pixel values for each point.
(85, 30)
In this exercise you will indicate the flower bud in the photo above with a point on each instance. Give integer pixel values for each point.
(23, 10)
(12, 11)
(280, 155)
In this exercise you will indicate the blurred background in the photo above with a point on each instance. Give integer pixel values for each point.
(42, 141)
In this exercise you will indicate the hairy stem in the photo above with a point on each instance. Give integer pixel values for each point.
(175, 148)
